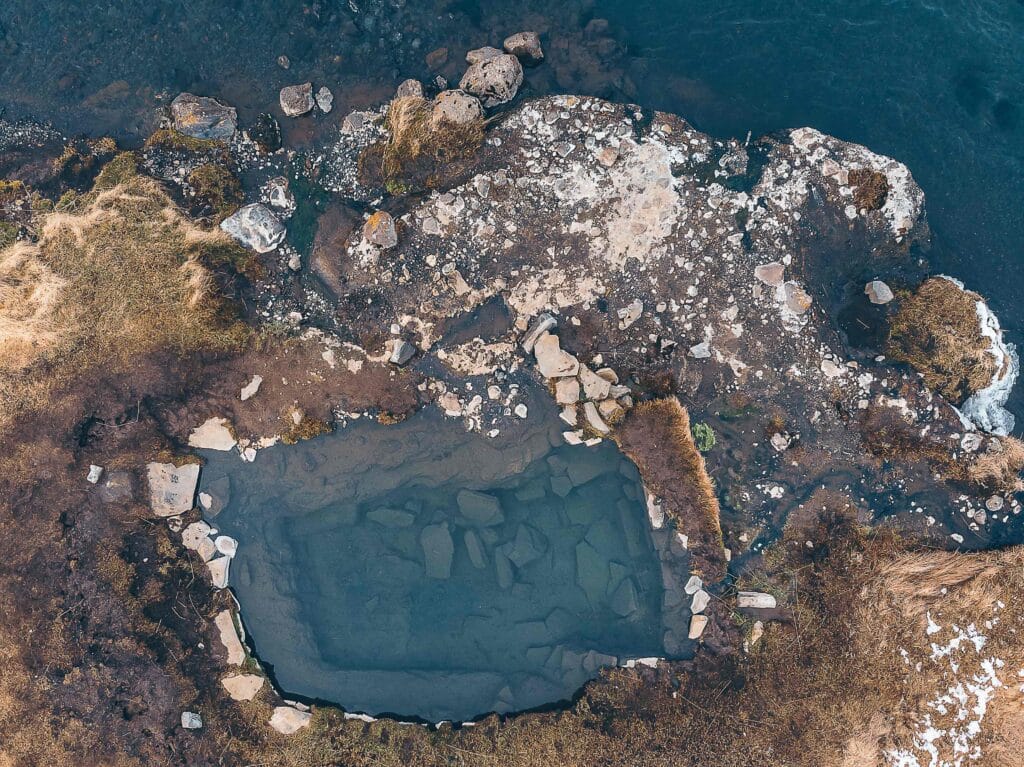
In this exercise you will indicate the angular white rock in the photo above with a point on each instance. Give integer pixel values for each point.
(551, 360)
(701, 599)
(256, 227)
(287, 720)
(219, 571)
(878, 292)
(697, 625)
(212, 434)
(250, 389)
(171, 488)
(755, 600)
(229, 638)
(226, 545)
(594, 419)
(190, 720)
(242, 686)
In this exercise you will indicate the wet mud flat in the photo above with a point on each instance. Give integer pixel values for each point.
(422, 571)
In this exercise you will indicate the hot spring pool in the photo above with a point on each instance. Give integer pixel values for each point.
(422, 571)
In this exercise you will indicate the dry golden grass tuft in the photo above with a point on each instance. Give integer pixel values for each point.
(118, 273)
(656, 436)
(420, 149)
(999, 468)
(937, 332)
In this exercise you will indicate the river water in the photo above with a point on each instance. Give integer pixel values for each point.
(938, 84)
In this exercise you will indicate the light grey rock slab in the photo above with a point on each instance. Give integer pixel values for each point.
(172, 489)
(438, 548)
(203, 117)
(255, 227)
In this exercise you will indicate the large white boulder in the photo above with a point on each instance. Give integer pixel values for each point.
(256, 227)
(494, 80)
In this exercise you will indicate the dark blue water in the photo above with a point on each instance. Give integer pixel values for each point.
(938, 84)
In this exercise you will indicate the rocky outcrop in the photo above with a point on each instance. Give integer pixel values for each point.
(640, 234)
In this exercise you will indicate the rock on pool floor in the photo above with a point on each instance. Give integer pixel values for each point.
(421, 571)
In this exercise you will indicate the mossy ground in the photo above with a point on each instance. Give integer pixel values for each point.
(217, 190)
(421, 152)
(171, 140)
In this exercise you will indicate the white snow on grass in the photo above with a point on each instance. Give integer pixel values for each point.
(946, 733)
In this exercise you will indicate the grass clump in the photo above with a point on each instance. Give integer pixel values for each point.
(8, 234)
(216, 188)
(1000, 466)
(937, 332)
(121, 274)
(82, 159)
(870, 188)
(302, 427)
(170, 140)
(420, 148)
(657, 437)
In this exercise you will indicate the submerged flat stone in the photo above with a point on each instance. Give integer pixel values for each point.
(438, 549)
(391, 517)
(480, 508)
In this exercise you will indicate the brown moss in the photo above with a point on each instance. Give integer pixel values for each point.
(937, 332)
(306, 428)
(420, 152)
(887, 434)
(870, 188)
(217, 190)
(656, 436)
(10, 191)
